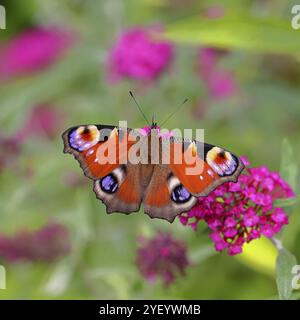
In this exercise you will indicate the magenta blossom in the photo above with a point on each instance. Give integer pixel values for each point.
(44, 121)
(214, 11)
(10, 149)
(237, 213)
(139, 55)
(161, 256)
(32, 50)
(220, 83)
(166, 134)
(72, 178)
(45, 245)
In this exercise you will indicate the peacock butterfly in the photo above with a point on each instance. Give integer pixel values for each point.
(130, 167)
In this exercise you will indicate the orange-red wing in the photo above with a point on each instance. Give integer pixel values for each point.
(99, 149)
(203, 167)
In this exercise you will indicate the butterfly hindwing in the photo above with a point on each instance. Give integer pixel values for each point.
(165, 196)
(120, 190)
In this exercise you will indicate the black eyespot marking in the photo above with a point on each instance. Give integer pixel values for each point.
(222, 154)
(124, 168)
(109, 183)
(170, 175)
(180, 194)
(83, 138)
(86, 130)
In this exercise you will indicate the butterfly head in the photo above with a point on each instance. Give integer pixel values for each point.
(154, 126)
(154, 123)
(147, 130)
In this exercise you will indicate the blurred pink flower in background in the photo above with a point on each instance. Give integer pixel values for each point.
(33, 50)
(138, 55)
(239, 212)
(43, 120)
(9, 151)
(44, 245)
(215, 11)
(161, 256)
(220, 83)
(73, 179)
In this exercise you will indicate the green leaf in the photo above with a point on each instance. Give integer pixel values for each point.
(238, 30)
(289, 167)
(284, 264)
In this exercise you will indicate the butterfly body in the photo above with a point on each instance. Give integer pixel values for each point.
(150, 169)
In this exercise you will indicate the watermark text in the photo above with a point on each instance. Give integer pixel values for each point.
(296, 278)
(2, 278)
(296, 17)
(2, 18)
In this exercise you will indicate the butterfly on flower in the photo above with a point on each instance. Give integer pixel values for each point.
(165, 173)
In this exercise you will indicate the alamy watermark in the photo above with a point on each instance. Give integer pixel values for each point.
(296, 278)
(296, 17)
(2, 278)
(2, 18)
(151, 145)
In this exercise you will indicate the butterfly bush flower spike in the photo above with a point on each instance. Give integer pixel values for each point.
(161, 257)
(10, 149)
(43, 121)
(237, 213)
(220, 83)
(44, 245)
(139, 55)
(33, 50)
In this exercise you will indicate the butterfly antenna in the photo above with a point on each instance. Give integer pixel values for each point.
(132, 96)
(172, 114)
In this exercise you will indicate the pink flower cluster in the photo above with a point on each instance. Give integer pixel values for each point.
(43, 121)
(220, 83)
(237, 213)
(32, 50)
(161, 256)
(9, 150)
(44, 245)
(139, 55)
(166, 134)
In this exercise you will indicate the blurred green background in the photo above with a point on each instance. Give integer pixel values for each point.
(263, 52)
